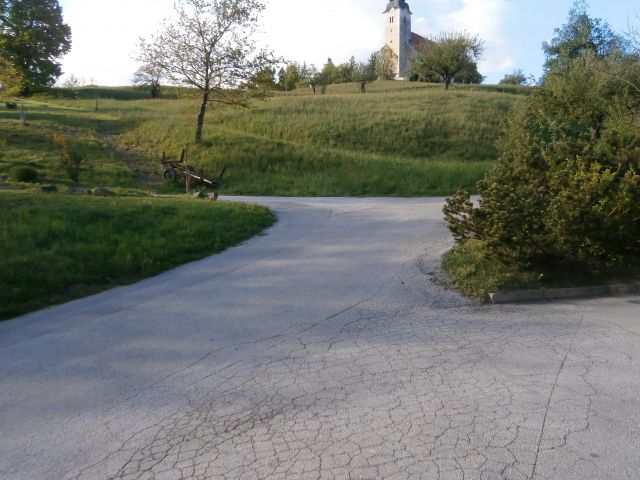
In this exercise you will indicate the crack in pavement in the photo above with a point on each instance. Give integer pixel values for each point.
(386, 375)
(553, 388)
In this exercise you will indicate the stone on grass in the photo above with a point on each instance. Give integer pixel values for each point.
(77, 191)
(103, 192)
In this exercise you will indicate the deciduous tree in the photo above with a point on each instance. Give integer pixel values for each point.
(329, 72)
(345, 70)
(580, 34)
(447, 55)
(517, 77)
(291, 76)
(210, 47)
(33, 37)
(312, 76)
(149, 77)
(365, 72)
(10, 77)
(386, 63)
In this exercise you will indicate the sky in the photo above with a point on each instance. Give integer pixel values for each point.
(105, 32)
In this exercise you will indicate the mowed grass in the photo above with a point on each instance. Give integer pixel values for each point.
(59, 247)
(400, 139)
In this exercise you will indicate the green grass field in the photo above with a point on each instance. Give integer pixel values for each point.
(59, 247)
(401, 139)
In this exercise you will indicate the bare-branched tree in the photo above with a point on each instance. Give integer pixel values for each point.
(210, 47)
(364, 72)
(148, 77)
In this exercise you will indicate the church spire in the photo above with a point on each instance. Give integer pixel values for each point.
(401, 4)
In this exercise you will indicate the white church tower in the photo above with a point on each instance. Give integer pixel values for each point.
(397, 33)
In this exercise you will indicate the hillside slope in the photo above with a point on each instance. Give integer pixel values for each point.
(398, 139)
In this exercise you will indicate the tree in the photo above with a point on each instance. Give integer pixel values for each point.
(566, 190)
(469, 75)
(517, 77)
(148, 77)
(311, 76)
(580, 34)
(365, 72)
(345, 70)
(329, 72)
(291, 76)
(71, 82)
(448, 55)
(263, 79)
(632, 36)
(10, 77)
(209, 47)
(386, 63)
(33, 37)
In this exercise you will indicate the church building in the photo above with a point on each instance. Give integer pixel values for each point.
(398, 35)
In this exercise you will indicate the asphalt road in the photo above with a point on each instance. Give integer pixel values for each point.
(321, 350)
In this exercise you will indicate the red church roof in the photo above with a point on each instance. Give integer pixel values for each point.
(417, 40)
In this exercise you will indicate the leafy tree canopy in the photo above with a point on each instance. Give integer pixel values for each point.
(33, 37)
(580, 34)
(210, 47)
(449, 56)
(365, 72)
(386, 63)
(517, 77)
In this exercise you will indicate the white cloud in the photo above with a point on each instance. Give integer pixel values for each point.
(485, 19)
(105, 34)
(313, 31)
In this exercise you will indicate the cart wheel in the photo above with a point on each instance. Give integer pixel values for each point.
(169, 175)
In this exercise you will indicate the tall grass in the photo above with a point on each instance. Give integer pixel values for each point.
(397, 139)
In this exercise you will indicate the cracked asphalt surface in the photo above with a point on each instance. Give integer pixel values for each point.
(321, 350)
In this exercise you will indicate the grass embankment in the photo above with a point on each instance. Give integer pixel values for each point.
(398, 139)
(473, 271)
(59, 247)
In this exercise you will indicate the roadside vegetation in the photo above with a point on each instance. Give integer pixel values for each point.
(59, 247)
(565, 195)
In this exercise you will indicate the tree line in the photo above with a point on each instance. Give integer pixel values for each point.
(448, 58)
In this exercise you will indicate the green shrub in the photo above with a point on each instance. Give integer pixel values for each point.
(567, 186)
(23, 174)
(70, 157)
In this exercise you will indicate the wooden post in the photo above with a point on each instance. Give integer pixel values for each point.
(187, 177)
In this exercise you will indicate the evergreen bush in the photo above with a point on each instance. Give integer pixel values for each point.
(567, 186)
(22, 173)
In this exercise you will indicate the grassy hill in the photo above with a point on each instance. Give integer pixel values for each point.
(397, 139)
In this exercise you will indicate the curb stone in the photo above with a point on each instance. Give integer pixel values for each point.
(560, 293)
